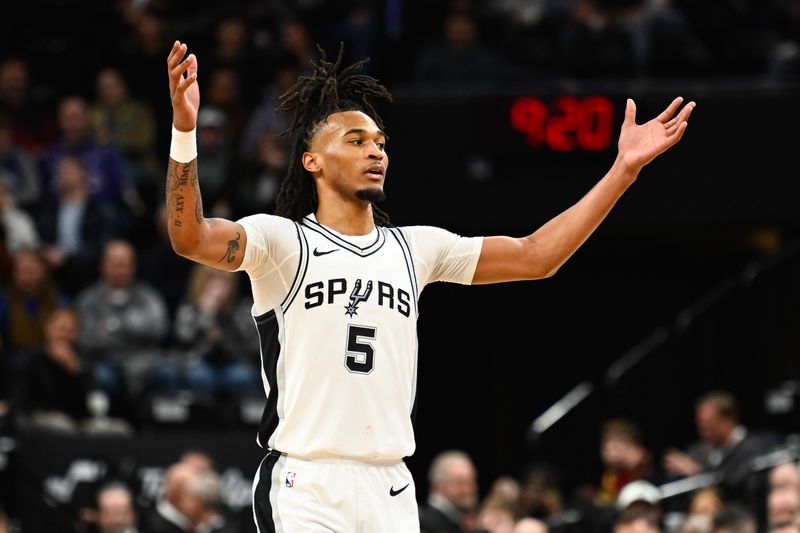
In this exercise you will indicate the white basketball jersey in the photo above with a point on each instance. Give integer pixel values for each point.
(339, 353)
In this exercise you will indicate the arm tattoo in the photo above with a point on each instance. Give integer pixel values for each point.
(198, 208)
(233, 247)
(178, 179)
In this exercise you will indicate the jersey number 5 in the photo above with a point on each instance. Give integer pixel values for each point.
(360, 356)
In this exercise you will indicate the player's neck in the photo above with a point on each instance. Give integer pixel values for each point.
(347, 218)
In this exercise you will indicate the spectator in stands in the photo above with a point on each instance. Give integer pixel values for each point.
(122, 322)
(26, 305)
(734, 519)
(162, 268)
(636, 520)
(460, 57)
(530, 525)
(496, 516)
(214, 144)
(144, 48)
(265, 120)
(19, 231)
(594, 41)
(507, 490)
(453, 493)
(708, 502)
(17, 168)
(103, 164)
(200, 459)
(783, 507)
(725, 447)
(224, 92)
(642, 496)
(190, 502)
(53, 384)
(261, 178)
(703, 507)
(785, 476)
(75, 227)
(624, 459)
(31, 127)
(125, 124)
(215, 328)
(115, 512)
(785, 528)
(541, 494)
(297, 43)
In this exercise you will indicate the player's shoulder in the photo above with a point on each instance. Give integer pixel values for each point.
(269, 223)
(418, 233)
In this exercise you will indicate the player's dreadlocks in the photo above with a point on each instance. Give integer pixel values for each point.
(310, 102)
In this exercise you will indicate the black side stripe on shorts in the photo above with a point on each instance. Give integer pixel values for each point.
(269, 341)
(262, 508)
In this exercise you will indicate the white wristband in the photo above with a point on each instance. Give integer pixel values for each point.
(184, 145)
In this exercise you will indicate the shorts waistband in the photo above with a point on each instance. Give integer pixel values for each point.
(338, 460)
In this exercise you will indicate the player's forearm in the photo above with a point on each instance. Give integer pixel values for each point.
(185, 220)
(558, 239)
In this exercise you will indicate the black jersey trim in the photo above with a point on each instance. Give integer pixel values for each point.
(409, 265)
(303, 265)
(366, 251)
(270, 347)
(411, 260)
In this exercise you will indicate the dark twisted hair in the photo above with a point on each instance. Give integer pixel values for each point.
(310, 102)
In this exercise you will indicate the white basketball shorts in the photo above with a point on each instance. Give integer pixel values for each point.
(293, 495)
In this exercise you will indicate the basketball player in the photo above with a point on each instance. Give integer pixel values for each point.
(336, 289)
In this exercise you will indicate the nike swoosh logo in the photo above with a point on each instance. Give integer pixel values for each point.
(317, 253)
(393, 492)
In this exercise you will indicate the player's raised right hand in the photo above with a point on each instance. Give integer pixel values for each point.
(183, 90)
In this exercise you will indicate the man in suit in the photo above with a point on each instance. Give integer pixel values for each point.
(725, 447)
(115, 513)
(453, 493)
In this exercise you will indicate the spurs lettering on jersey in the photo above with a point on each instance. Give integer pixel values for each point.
(334, 291)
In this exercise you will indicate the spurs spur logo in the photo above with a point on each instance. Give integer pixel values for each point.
(356, 297)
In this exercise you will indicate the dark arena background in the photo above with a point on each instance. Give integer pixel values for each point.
(505, 113)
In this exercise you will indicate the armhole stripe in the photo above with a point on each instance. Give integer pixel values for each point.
(302, 268)
(401, 241)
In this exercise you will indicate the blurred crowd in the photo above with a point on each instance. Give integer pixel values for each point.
(188, 499)
(732, 480)
(99, 318)
(84, 131)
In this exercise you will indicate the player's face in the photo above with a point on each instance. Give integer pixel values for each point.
(349, 155)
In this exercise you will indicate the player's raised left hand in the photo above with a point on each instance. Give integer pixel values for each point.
(183, 88)
(641, 143)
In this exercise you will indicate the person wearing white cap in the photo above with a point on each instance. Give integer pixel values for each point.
(636, 492)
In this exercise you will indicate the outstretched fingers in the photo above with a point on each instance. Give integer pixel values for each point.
(182, 67)
(177, 52)
(666, 115)
(673, 125)
(678, 133)
(185, 83)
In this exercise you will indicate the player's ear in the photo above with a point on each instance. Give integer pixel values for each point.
(311, 162)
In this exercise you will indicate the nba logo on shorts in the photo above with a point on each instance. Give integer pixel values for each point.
(290, 479)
